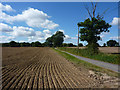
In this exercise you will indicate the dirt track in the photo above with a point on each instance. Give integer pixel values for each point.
(41, 68)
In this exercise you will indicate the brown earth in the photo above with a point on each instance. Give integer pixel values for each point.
(105, 49)
(41, 68)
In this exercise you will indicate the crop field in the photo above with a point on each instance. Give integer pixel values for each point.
(41, 68)
(104, 49)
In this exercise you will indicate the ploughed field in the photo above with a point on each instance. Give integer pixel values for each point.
(104, 49)
(40, 68)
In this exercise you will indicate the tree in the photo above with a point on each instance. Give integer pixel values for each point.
(64, 44)
(80, 44)
(70, 45)
(33, 44)
(92, 28)
(5, 44)
(58, 39)
(25, 44)
(112, 43)
(38, 44)
(104, 45)
(55, 40)
(49, 42)
(13, 44)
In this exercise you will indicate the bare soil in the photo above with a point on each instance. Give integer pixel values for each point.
(36, 68)
(105, 49)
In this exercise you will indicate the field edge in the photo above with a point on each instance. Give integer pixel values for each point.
(77, 62)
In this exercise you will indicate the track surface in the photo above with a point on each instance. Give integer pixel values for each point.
(40, 68)
(106, 65)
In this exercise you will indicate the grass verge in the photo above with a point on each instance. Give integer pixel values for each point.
(86, 65)
(114, 59)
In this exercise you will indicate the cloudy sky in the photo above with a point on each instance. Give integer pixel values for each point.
(29, 22)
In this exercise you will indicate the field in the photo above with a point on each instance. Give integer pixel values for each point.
(41, 68)
(104, 49)
(106, 54)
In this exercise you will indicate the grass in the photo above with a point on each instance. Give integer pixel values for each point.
(110, 58)
(86, 65)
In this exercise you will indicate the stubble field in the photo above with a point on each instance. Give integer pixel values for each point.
(41, 68)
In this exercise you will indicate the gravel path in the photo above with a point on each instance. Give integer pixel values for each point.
(109, 66)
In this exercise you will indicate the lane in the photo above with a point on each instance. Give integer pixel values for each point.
(109, 66)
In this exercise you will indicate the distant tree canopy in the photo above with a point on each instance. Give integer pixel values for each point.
(68, 45)
(55, 40)
(104, 45)
(112, 43)
(14, 44)
(80, 44)
(49, 42)
(22, 44)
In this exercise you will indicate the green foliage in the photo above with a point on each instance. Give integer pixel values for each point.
(55, 40)
(23, 44)
(64, 45)
(91, 30)
(100, 56)
(14, 44)
(37, 44)
(93, 48)
(49, 42)
(80, 44)
(112, 43)
(5, 45)
(58, 39)
(84, 64)
(104, 45)
(68, 45)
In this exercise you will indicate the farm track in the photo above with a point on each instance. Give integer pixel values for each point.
(41, 68)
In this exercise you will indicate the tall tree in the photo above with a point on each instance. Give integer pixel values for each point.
(92, 28)
(55, 40)
(13, 44)
(58, 39)
(38, 44)
(112, 43)
(49, 42)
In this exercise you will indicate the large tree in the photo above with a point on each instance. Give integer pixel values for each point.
(91, 29)
(58, 38)
(49, 42)
(112, 43)
(55, 40)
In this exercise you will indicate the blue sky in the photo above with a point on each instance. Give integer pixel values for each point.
(36, 21)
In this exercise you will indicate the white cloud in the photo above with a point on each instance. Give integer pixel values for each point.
(115, 37)
(5, 7)
(5, 28)
(39, 34)
(47, 31)
(67, 37)
(115, 21)
(74, 38)
(32, 17)
(104, 34)
(61, 30)
(4, 39)
(22, 31)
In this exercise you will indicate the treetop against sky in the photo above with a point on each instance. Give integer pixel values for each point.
(29, 22)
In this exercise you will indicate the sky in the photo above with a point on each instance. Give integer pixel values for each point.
(36, 21)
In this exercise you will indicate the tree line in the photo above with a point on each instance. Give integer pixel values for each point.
(110, 43)
(56, 40)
